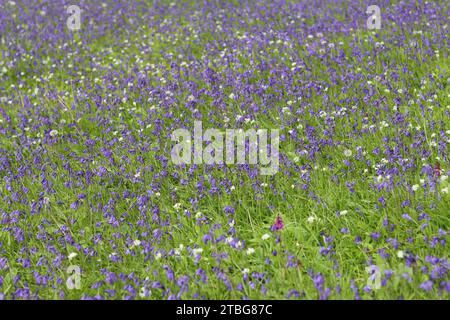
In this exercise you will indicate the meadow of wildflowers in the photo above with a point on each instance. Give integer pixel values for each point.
(92, 205)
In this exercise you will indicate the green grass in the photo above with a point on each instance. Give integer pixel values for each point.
(256, 206)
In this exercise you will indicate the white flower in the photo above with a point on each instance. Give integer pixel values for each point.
(444, 177)
(46, 201)
(177, 206)
(343, 212)
(136, 242)
(53, 133)
(311, 219)
(348, 153)
(415, 187)
(250, 251)
(191, 98)
(145, 292)
(246, 270)
(445, 190)
(198, 215)
(197, 251)
(400, 254)
(265, 236)
(158, 255)
(72, 255)
(231, 96)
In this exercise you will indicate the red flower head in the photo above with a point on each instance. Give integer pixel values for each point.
(278, 225)
(437, 170)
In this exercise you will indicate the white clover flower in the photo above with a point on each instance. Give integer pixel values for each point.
(177, 206)
(144, 292)
(400, 254)
(198, 215)
(415, 187)
(53, 133)
(46, 201)
(265, 236)
(72, 255)
(311, 219)
(250, 251)
(197, 251)
(285, 110)
(343, 212)
(384, 124)
(348, 153)
(445, 190)
(246, 270)
(136, 242)
(158, 255)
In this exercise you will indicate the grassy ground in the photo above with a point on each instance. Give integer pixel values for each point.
(85, 125)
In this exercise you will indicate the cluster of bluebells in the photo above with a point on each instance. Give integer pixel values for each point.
(359, 208)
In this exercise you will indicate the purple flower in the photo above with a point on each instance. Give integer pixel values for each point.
(293, 293)
(169, 273)
(427, 285)
(319, 280)
(278, 225)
